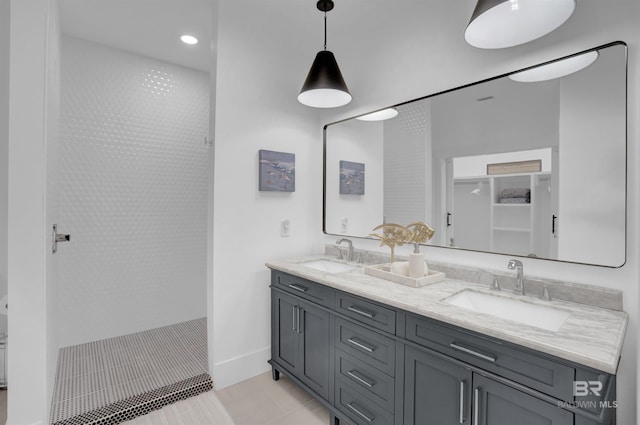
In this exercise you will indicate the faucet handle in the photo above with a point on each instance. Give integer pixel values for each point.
(495, 286)
(545, 294)
(340, 255)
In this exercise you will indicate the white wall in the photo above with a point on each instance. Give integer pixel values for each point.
(52, 180)
(33, 103)
(588, 229)
(133, 192)
(4, 147)
(355, 141)
(259, 73)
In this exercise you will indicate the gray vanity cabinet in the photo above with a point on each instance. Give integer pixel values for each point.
(300, 341)
(373, 364)
(437, 391)
(498, 404)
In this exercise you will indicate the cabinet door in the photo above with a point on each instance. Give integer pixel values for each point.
(499, 404)
(437, 391)
(285, 340)
(314, 348)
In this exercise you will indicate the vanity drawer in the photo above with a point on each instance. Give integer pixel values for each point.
(376, 385)
(358, 408)
(534, 370)
(370, 347)
(303, 288)
(367, 312)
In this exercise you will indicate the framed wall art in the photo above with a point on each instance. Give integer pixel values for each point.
(277, 171)
(351, 178)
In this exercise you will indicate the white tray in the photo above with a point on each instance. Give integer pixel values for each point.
(383, 271)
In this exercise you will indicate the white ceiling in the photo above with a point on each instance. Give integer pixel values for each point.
(147, 27)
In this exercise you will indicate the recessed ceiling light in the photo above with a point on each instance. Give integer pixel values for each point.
(189, 39)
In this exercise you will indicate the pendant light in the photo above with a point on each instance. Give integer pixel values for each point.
(496, 24)
(324, 86)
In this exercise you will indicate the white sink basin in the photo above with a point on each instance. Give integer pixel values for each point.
(515, 310)
(328, 266)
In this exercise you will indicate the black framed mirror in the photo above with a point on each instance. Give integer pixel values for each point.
(505, 165)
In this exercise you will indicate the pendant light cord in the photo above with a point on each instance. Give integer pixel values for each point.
(325, 30)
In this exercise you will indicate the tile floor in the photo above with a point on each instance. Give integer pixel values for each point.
(256, 401)
(130, 374)
(263, 401)
(203, 409)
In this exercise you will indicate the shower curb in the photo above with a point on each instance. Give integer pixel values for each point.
(142, 404)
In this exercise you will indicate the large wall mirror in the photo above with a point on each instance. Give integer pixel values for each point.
(526, 164)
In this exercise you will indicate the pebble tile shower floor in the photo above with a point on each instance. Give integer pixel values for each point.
(113, 380)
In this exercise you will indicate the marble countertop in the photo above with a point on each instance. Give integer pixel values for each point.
(591, 336)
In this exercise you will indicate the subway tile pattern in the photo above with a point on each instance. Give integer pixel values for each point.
(116, 379)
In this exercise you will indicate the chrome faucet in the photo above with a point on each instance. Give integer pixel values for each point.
(350, 247)
(517, 266)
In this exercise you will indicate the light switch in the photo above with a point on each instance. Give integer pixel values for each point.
(284, 228)
(344, 225)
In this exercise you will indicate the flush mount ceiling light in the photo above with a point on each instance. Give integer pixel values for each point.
(324, 86)
(189, 39)
(556, 69)
(496, 24)
(382, 115)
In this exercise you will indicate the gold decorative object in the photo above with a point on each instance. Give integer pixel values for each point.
(392, 235)
(420, 232)
(396, 235)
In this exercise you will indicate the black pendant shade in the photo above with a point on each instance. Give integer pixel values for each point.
(324, 86)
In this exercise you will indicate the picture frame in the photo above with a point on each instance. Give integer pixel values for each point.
(276, 171)
(351, 178)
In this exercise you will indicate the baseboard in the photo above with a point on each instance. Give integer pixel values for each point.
(240, 368)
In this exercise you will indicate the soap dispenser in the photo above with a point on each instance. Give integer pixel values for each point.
(417, 266)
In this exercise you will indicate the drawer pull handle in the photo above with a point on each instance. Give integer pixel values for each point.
(361, 312)
(360, 413)
(461, 417)
(360, 378)
(298, 288)
(476, 406)
(361, 345)
(455, 346)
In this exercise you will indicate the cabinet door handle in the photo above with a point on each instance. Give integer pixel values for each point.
(298, 288)
(455, 346)
(294, 318)
(553, 224)
(476, 406)
(361, 312)
(361, 345)
(361, 378)
(360, 413)
(461, 417)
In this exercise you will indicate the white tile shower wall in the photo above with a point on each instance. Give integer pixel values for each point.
(404, 165)
(133, 192)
